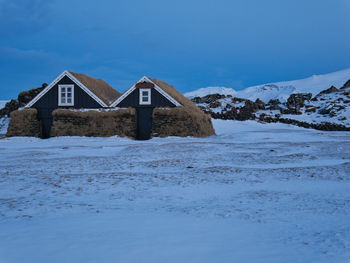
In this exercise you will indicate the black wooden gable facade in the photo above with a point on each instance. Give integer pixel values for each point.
(156, 99)
(144, 96)
(81, 99)
(64, 92)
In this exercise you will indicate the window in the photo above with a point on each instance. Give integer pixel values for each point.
(145, 96)
(65, 95)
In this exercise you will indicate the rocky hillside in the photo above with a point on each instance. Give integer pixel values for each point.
(327, 110)
(22, 99)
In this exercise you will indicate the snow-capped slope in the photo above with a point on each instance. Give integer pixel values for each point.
(210, 90)
(282, 90)
(267, 92)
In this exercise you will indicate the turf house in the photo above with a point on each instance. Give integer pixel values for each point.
(75, 104)
(163, 111)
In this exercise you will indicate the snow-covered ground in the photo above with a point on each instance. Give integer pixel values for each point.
(4, 124)
(253, 193)
(280, 90)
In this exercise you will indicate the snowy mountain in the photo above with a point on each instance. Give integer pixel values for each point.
(267, 92)
(211, 90)
(281, 90)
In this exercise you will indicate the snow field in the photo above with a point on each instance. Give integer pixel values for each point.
(253, 193)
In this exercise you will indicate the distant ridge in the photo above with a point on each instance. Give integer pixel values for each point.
(280, 90)
(211, 90)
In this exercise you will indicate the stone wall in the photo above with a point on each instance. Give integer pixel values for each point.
(182, 122)
(24, 123)
(120, 122)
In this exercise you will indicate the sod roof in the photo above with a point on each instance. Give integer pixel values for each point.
(175, 94)
(99, 87)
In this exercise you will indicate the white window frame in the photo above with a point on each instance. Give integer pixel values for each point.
(60, 103)
(148, 102)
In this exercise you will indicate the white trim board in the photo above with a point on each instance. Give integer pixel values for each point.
(75, 80)
(156, 87)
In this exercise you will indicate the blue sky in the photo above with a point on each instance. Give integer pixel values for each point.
(189, 44)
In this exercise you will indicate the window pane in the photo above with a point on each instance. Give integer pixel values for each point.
(144, 99)
(66, 94)
(144, 93)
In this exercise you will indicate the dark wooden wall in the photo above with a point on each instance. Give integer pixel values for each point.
(157, 100)
(49, 102)
(144, 112)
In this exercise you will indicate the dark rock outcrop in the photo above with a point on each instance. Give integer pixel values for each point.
(331, 110)
(10, 106)
(215, 104)
(22, 99)
(26, 96)
(260, 104)
(296, 101)
(324, 126)
(208, 98)
(327, 91)
(273, 105)
(346, 85)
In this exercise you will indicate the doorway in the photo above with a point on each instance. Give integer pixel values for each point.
(46, 124)
(144, 123)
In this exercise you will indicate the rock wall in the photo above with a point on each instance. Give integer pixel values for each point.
(181, 122)
(24, 123)
(120, 122)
